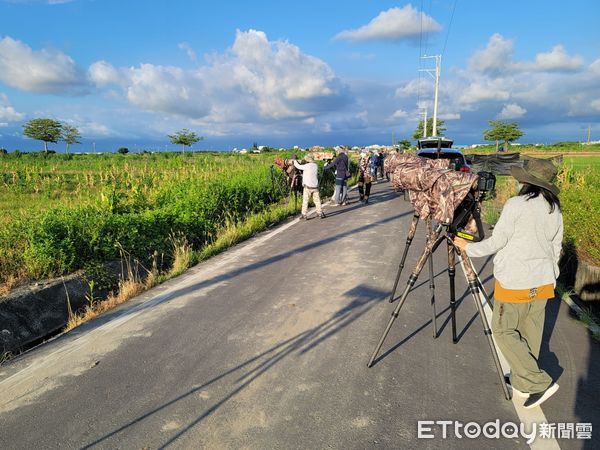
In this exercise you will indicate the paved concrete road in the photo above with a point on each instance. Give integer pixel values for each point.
(266, 346)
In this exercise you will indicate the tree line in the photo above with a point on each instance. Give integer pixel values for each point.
(499, 131)
(51, 131)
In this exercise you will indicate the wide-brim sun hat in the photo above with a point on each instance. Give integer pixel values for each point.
(309, 158)
(539, 172)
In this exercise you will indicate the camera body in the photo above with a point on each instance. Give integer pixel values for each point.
(486, 182)
(467, 217)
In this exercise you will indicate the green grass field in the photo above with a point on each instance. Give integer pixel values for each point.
(59, 213)
(583, 162)
(62, 212)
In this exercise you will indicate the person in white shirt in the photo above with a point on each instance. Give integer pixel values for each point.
(527, 242)
(310, 181)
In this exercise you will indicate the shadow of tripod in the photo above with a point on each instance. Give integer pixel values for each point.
(435, 238)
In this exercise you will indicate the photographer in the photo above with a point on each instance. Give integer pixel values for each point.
(310, 181)
(364, 179)
(527, 242)
(342, 173)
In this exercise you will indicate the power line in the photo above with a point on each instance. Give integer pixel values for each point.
(420, 59)
(449, 26)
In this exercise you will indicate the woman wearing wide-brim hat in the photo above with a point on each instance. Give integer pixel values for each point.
(527, 241)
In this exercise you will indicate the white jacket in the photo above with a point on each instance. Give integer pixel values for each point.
(527, 241)
(309, 174)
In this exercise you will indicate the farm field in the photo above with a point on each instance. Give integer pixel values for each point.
(583, 162)
(61, 212)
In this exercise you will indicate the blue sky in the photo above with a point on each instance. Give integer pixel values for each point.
(127, 73)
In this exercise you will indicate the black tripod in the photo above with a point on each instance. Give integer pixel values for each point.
(451, 273)
(434, 239)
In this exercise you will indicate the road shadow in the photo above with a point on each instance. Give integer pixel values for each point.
(444, 312)
(360, 300)
(231, 274)
(380, 197)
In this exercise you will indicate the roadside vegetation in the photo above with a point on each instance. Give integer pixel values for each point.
(60, 213)
(557, 148)
(579, 183)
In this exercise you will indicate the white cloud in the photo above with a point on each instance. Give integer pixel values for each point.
(395, 24)
(96, 130)
(255, 80)
(44, 71)
(7, 112)
(103, 73)
(497, 57)
(481, 89)
(167, 89)
(189, 51)
(415, 87)
(557, 60)
(399, 114)
(596, 104)
(450, 116)
(511, 111)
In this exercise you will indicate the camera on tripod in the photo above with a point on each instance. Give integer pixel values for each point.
(467, 216)
(453, 199)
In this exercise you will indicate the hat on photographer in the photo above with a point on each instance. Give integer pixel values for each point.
(539, 172)
(309, 158)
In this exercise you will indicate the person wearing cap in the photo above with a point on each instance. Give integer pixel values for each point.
(310, 181)
(527, 242)
(364, 179)
(342, 173)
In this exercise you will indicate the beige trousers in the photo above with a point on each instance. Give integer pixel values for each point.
(307, 194)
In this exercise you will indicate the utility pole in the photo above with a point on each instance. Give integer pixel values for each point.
(438, 65)
(589, 133)
(425, 123)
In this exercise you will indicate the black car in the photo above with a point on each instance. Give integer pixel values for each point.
(441, 148)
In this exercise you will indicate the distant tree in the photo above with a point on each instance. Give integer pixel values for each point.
(418, 134)
(43, 129)
(404, 144)
(70, 135)
(3, 151)
(123, 150)
(502, 131)
(184, 138)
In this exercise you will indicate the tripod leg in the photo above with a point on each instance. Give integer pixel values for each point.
(474, 289)
(432, 286)
(451, 275)
(432, 244)
(482, 290)
(432, 290)
(411, 234)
